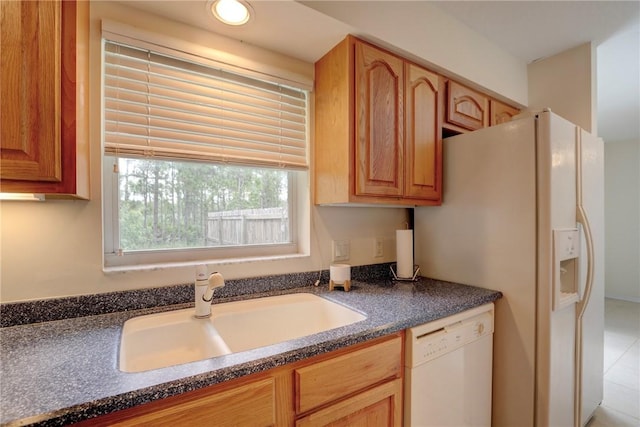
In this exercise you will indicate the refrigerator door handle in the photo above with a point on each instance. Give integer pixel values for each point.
(584, 222)
(580, 309)
(581, 218)
(581, 306)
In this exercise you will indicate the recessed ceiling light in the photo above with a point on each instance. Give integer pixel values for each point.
(231, 12)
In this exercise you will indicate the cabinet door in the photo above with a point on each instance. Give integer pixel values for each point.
(466, 108)
(30, 48)
(379, 122)
(423, 148)
(501, 113)
(330, 380)
(252, 404)
(44, 115)
(378, 407)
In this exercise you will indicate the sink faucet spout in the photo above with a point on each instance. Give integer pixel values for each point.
(204, 289)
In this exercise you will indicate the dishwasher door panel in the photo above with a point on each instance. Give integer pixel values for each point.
(453, 389)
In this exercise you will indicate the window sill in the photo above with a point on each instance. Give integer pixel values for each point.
(212, 262)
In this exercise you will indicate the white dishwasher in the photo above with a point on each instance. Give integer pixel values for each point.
(448, 369)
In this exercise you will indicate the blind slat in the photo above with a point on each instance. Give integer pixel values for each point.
(225, 136)
(169, 108)
(168, 150)
(131, 55)
(177, 101)
(137, 113)
(151, 79)
(209, 125)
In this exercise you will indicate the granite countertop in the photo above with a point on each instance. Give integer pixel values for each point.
(64, 371)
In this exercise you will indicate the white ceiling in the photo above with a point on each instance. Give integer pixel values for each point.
(536, 29)
(284, 26)
(527, 29)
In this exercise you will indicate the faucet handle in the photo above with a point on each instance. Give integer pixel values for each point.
(215, 281)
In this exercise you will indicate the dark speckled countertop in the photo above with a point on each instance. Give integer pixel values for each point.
(63, 371)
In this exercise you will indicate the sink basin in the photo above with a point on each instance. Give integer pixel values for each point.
(248, 324)
(163, 339)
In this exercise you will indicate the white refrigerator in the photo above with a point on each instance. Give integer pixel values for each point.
(523, 213)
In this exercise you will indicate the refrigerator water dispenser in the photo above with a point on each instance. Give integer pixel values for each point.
(566, 267)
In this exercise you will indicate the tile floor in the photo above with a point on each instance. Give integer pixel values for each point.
(621, 403)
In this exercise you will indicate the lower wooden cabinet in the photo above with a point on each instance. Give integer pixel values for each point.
(379, 406)
(251, 404)
(247, 402)
(360, 385)
(333, 379)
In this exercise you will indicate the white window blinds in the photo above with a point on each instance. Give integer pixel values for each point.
(169, 108)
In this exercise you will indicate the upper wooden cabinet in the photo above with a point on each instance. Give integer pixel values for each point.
(423, 146)
(501, 113)
(379, 122)
(44, 145)
(378, 128)
(466, 108)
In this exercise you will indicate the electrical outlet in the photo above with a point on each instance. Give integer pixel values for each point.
(341, 250)
(378, 247)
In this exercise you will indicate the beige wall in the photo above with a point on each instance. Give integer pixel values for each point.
(622, 220)
(54, 249)
(446, 44)
(566, 83)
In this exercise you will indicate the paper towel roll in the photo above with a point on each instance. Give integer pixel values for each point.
(404, 253)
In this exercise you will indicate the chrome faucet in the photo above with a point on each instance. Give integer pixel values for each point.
(204, 290)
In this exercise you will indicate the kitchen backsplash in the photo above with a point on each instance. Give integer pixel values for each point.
(20, 313)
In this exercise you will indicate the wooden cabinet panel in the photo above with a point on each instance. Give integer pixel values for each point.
(333, 155)
(44, 90)
(362, 98)
(379, 115)
(423, 134)
(333, 379)
(501, 113)
(359, 385)
(378, 407)
(250, 404)
(30, 64)
(466, 108)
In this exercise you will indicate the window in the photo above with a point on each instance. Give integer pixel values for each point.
(200, 162)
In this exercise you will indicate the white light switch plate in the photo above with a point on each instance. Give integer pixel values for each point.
(378, 247)
(341, 250)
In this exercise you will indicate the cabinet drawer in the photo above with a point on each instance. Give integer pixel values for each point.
(341, 376)
(379, 406)
(251, 404)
